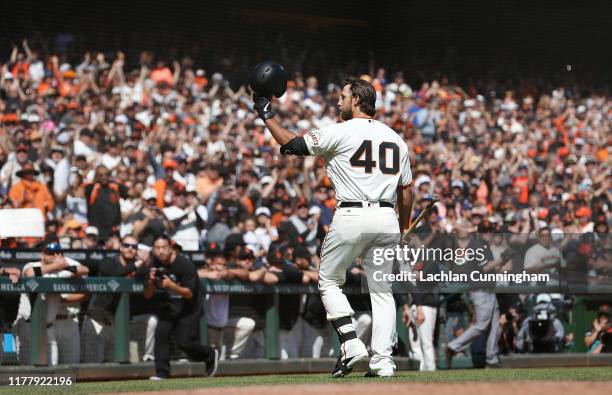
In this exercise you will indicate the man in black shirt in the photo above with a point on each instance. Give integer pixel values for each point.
(98, 326)
(103, 209)
(181, 307)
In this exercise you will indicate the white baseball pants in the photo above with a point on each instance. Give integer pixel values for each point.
(357, 232)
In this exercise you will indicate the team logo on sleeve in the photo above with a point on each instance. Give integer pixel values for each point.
(313, 136)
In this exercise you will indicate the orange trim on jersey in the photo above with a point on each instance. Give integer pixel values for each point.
(96, 190)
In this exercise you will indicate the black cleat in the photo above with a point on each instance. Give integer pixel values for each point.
(345, 367)
(213, 363)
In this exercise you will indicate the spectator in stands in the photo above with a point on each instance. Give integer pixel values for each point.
(29, 193)
(92, 238)
(184, 218)
(266, 233)
(151, 222)
(103, 209)
(534, 156)
(14, 163)
(220, 229)
(305, 224)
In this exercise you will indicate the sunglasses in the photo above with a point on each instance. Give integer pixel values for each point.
(128, 245)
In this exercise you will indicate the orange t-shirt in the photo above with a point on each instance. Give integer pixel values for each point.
(32, 194)
(523, 183)
(205, 186)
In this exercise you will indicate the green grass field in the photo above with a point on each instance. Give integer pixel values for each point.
(547, 374)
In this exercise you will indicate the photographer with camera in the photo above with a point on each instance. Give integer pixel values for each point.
(176, 278)
(542, 331)
(599, 338)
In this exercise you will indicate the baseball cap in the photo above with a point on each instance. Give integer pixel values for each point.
(266, 180)
(583, 212)
(263, 211)
(314, 210)
(27, 168)
(58, 148)
(190, 188)
(52, 248)
(457, 184)
(92, 230)
(121, 118)
(556, 234)
(422, 179)
(149, 193)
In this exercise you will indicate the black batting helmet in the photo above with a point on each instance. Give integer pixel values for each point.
(268, 79)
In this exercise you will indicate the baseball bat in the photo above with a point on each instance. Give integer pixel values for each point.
(433, 200)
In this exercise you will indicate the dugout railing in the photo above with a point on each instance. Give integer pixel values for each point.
(580, 318)
(125, 287)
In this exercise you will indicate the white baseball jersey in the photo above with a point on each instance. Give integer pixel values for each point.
(54, 304)
(365, 159)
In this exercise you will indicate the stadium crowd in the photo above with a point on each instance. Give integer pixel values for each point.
(108, 153)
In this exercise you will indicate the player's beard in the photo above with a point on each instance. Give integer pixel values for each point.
(346, 114)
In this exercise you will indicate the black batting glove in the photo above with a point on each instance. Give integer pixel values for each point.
(263, 106)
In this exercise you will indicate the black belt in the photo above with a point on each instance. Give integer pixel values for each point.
(364, 204)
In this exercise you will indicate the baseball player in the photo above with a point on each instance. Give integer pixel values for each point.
(63, 340)
(368, 165)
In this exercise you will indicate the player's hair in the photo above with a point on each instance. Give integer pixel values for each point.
(165, 237)
(366, 94)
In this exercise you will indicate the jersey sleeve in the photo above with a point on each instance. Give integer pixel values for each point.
(322, 141)
(406, 171)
